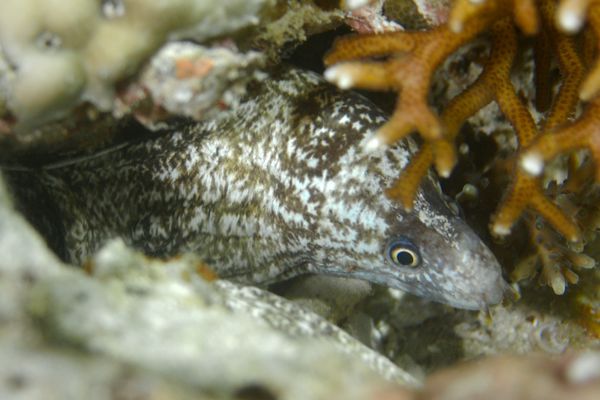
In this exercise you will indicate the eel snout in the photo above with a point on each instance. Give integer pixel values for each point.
(482, 273)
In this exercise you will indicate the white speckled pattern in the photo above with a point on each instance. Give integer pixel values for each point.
(277, 187)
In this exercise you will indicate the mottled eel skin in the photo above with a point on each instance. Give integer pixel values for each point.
(277, 187)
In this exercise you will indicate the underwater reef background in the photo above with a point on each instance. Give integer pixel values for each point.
(501, 97)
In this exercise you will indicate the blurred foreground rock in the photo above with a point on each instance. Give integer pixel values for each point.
(141, 328)
(574, 377)
(140, 324)
(61, 53)
(71, 71)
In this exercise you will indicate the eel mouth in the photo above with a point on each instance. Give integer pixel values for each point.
(492, 294)
(481, 281)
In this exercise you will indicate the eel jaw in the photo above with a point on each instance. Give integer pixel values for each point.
(483, 284)
(493, 295)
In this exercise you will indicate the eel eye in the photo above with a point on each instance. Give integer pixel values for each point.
(403, 253)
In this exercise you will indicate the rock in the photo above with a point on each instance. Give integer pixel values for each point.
(161, 327)
(62, 53)
(533, 377)
(34, 367)
(166, 318)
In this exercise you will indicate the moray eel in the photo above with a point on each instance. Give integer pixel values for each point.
(277, 187)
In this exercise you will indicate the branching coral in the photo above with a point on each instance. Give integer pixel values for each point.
(558, 262)
(581, 134)
(421, 53)
(523, 12)
(412, 58)
(579, 199)
(479, 94)
(571, 14)
(524, 190)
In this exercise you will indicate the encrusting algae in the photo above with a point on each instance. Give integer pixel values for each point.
(564, 33)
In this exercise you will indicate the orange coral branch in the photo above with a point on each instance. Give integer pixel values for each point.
(351, 47)
(557, 261)
(571, 68)
(417, 55)
(367, 75)
(406, 186)
(523, 12)
(543, 60)
(525, 16)
(584, 133)
(441, 152)
(412, 58)
(571, 14)
(525, 192)
(591, 85)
